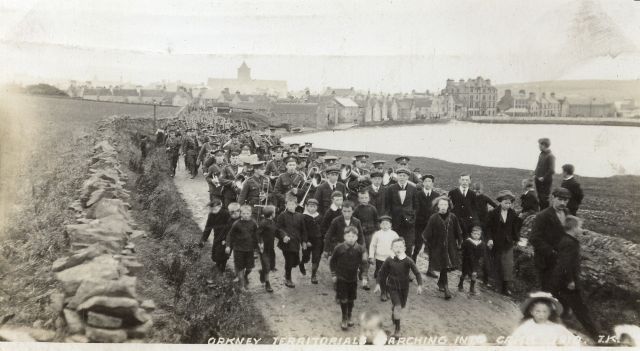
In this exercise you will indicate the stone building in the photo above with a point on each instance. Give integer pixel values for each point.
(246, 85)
(478, 96)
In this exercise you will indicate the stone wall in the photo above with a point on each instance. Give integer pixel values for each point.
(98, 301)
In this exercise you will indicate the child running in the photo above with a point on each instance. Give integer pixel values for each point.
(347, 258)
(380, 248)
(243, 240)
(394, 275)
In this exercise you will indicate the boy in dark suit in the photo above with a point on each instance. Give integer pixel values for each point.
(425, 209)
(401, 204)
(335, 210)
(464, 204)
(570, 183)
(377, 191)
(324, 192)
(529, 199)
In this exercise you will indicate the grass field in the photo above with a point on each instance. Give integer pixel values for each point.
(44, 148)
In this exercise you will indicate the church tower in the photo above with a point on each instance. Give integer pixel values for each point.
(244, 72)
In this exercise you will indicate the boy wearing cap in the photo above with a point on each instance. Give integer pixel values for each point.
(503, 231)
(315, 239)
(288, 181)
(380, 248)
(324, 192)
(335, 210)
(545, 233)
(335, 232)
(292, 234)
(545, 168)
(529, 199)
(425, 198)
(212, 177)
(377, 191)
(242, 238)
(570, 183)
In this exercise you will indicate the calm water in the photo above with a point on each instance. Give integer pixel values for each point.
(596, 151)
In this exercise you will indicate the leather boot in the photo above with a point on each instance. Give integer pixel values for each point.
(506, 288)
(472, 288)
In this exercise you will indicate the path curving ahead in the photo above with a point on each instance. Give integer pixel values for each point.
(310, 310)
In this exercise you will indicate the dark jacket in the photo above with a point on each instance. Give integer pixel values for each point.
(472, 254)
(216, 222)
(346, 260)
(546, 165)
(323, 195)
(576, 194)
(394, 273)
(291, 225)
(481, 203)
(312, 226)
(368, 216)
(545, 234)
(529, 201)
(425, 209)
(464, 207)
(218, 253)
(567, 268)
(328, 217)
(267, 233)
(243, 235)
(504, 234)
(335, 233)
(402, 213)
(378, 199)
(442, 237)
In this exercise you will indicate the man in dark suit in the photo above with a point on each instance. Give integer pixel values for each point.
(548, 228)
(464, 200)
(425, 199)
(544, 172)
(570, 183)
(401, 204)
(377, 192)
(324, 190)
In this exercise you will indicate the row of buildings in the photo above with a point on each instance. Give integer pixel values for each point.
(460, 99)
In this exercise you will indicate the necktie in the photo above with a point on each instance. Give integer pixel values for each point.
(333, 187)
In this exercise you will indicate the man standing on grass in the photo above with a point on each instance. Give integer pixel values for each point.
(544, 172)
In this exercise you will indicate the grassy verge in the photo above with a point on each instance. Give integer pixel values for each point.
(176, 270)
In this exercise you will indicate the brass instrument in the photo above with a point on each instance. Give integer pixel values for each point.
(314, 178)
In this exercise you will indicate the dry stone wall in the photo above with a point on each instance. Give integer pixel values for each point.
(98, 278)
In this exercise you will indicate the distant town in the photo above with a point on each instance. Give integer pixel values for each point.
(470, 99)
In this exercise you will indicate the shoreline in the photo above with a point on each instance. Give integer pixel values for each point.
(579, 121)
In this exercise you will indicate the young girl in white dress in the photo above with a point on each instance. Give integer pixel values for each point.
(540, 325)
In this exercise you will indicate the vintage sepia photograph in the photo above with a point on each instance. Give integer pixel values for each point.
(304, 173)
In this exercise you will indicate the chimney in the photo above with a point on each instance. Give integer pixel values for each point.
(507, 92)
(521, 92)
(553, 95)
(532, 96)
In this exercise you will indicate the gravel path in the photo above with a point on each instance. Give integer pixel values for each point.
(310, 310)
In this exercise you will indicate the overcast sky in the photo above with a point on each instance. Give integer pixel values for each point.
(376, 45)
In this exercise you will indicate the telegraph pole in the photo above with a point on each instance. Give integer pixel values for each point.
(154, 116)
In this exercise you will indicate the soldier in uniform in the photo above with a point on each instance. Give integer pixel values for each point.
(330, 161)
(252, 189)
(173, 150)
(233, 143)
(288, 181)
(190, 149)
(208, 146)
(213, 174)
(317, 160)
(359, 178)
(276, 166)
(229, 174)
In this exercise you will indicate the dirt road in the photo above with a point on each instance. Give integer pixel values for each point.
(310, 310)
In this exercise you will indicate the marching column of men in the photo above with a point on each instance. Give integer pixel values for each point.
(300, 196)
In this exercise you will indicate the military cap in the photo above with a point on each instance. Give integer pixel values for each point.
(505, 194)
(234, 153)
(330, 158)
(544, 141)
(277, 147)
(257, 164)
(430, 176)
(376, 173)
(319, 152)
(312, 201)
(308, 144)
(404, 170)
(291, 159)
(384, 218)
(361, 157)
(294, 145)
(378, 162)
(303, 156)
(333, 169)
(399, 159)
(561, 193)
